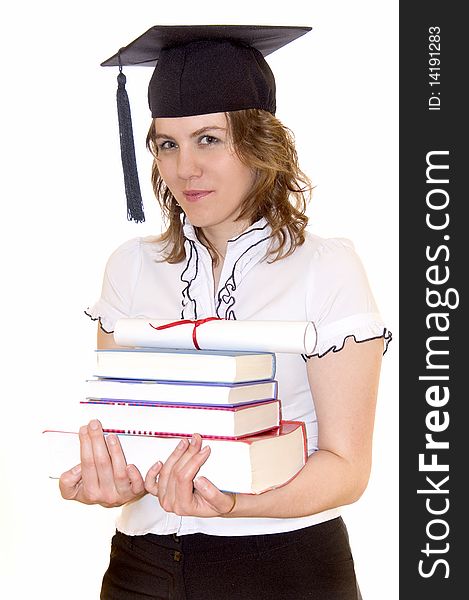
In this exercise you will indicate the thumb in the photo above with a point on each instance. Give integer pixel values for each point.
(68, 482)
(136, 479)
(221, 502)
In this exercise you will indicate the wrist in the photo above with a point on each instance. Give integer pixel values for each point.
(229, 513)
(254, 505)
(240, 506)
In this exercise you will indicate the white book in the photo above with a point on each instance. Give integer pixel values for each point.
(185, 365)
(180, 392)
(173, 419)
(249, 465)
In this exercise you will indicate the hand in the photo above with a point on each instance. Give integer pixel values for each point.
(103, 477)
(175, 487)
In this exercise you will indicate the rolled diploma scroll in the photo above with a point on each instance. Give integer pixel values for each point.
(295, 337)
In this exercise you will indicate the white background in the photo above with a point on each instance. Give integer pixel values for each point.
(63, 212)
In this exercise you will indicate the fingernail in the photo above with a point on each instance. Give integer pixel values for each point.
(94, 424)
(200, 483)
(204, 450)
(76, 470)
(181, 444)
(193, 440)
(83, 430)
(112, 440)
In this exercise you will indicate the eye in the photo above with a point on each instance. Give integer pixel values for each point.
(208, 140)
(167, 145)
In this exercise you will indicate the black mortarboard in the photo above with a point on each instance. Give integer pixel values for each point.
(199, 69)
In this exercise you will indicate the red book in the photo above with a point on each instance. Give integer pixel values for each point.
(146, 418)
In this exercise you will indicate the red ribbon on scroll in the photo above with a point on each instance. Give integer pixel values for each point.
(196, 324)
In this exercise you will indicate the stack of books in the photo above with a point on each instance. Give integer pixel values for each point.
(175, 393)
(150, 396)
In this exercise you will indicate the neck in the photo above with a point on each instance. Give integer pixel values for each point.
(219, 235)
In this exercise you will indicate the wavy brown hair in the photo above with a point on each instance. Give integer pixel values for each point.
(280, 191)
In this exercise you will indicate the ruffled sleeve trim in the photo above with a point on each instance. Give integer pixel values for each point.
(362, 328)
(105, 314)
(118, 288)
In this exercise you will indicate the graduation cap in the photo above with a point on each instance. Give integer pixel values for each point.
(198, 69)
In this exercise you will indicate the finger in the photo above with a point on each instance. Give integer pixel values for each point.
(69, 481)
(151, 478)
(172, 482)
(101, 456)
(219, 501)
(192, 449)
(119, 464)
(176, 454)
(136, 480)
(185, 478)
(172, 459)
(88, 467)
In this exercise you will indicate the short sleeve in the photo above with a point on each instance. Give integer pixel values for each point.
(119, 282)
(339, 301)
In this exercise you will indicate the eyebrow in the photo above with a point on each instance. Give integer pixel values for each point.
(195, 133)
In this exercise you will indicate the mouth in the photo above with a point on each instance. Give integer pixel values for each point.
(195, 195)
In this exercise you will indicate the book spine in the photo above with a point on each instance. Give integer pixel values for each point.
(165, 434)
(92, 400)
(305, 439)
(156, 405)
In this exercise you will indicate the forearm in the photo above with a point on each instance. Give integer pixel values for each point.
(326, 481)
(333, 476)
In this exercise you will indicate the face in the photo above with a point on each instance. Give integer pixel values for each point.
(199, 165)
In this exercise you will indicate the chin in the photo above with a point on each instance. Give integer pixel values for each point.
(200, 220)
(201, 223)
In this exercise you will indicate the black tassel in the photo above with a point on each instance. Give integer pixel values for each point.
(129, 162)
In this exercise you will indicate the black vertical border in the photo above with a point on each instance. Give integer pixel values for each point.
(423, 131)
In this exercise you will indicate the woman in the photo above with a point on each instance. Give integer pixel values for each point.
(226, 174)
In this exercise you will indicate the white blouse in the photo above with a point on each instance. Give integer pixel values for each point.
(322, 281)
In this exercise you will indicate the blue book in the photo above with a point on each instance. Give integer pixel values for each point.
(181, 392)
(185, 365)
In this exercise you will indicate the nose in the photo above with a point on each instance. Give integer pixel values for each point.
(189, 164)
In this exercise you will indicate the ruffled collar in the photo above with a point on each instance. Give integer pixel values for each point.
(242, 253)
(257, 229)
